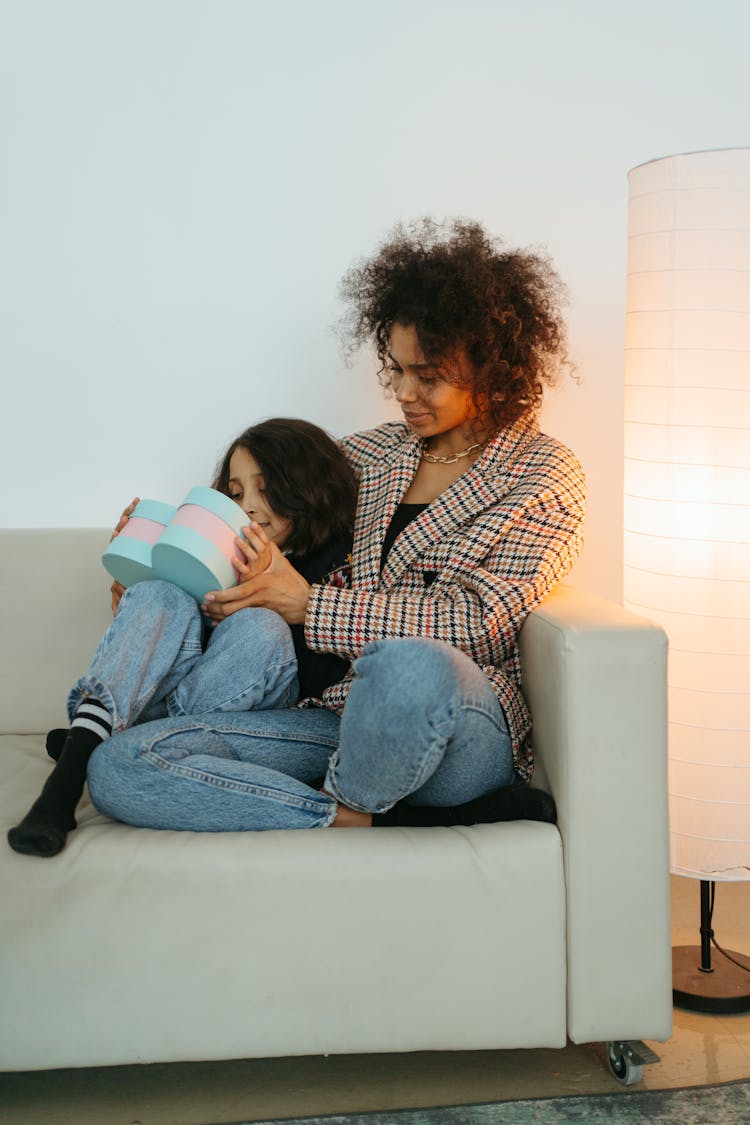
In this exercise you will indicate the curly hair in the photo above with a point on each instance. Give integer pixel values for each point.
(463, 294)
(307, 479)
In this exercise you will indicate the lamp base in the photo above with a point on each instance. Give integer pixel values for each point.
(725, 988)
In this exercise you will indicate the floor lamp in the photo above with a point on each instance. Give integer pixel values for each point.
(687, 516)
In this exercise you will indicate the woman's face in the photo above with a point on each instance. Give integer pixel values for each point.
(431, 405)
(247, 488)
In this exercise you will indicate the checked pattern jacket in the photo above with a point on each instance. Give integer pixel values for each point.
(468, 569)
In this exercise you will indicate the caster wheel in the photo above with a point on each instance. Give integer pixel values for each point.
(623, 1065)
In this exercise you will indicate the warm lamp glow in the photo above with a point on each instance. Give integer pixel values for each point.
(687, 484)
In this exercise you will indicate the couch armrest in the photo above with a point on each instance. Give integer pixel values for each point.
(595, 680)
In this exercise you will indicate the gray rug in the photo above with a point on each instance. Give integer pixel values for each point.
(727, 1104)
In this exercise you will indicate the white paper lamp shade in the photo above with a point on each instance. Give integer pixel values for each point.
(687, 484)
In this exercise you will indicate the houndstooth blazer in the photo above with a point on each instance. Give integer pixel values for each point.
(468, 569)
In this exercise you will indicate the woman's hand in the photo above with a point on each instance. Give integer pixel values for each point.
(267, 580)
(117, 589)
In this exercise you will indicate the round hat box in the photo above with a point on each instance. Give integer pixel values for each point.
(196, 550)
(128, 557)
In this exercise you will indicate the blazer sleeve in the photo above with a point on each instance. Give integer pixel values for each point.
(499, 568)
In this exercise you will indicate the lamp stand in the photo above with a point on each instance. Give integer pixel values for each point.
(699, 985)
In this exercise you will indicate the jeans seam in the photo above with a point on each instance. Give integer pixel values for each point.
(486, 713)
(230, 784)
(317, 740)
(233, 732)
(418, 779)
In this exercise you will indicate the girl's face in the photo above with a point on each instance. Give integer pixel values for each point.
(430, 404)
(247, 488)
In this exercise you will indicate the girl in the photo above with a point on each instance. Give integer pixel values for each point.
(158, 659)
(467, 515)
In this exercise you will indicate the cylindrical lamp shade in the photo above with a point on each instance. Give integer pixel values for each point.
(687, 484)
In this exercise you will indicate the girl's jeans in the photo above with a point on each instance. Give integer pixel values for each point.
(421, 723)
(151, 663)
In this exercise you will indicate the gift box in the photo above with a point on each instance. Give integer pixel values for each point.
(192, 546)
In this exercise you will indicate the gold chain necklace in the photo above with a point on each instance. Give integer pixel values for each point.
(427, 456)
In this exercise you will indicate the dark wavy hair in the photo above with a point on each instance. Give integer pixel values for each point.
(307, 479)
(462, 293)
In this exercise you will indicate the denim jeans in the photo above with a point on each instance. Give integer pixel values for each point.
(151, 661)
(421, 723)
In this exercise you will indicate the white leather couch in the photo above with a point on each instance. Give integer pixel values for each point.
(139, 946)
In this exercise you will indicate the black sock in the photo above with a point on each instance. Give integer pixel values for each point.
(90, 710)
(45, 827)
(55, 742)
(512, 802)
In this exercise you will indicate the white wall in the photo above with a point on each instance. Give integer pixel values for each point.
(185, 182)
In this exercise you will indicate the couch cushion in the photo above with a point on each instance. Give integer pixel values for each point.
(138, 946)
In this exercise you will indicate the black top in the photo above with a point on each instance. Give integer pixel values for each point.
(403, 516)
(318, 670)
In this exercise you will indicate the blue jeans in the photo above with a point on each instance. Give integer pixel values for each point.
(421, 723)
(151, 661)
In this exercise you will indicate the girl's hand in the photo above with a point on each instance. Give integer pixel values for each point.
(268, 580)
(117, 589)
(125, 517)
(254, 555)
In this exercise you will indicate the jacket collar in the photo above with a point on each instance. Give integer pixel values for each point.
(382, 489)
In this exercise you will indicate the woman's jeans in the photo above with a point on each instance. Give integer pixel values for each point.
(421, 723)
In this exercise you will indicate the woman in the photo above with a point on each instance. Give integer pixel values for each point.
(466, 517)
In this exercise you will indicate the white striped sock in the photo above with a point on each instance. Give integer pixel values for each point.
(91, 715)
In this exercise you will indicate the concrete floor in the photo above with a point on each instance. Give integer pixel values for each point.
(703, 1049)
